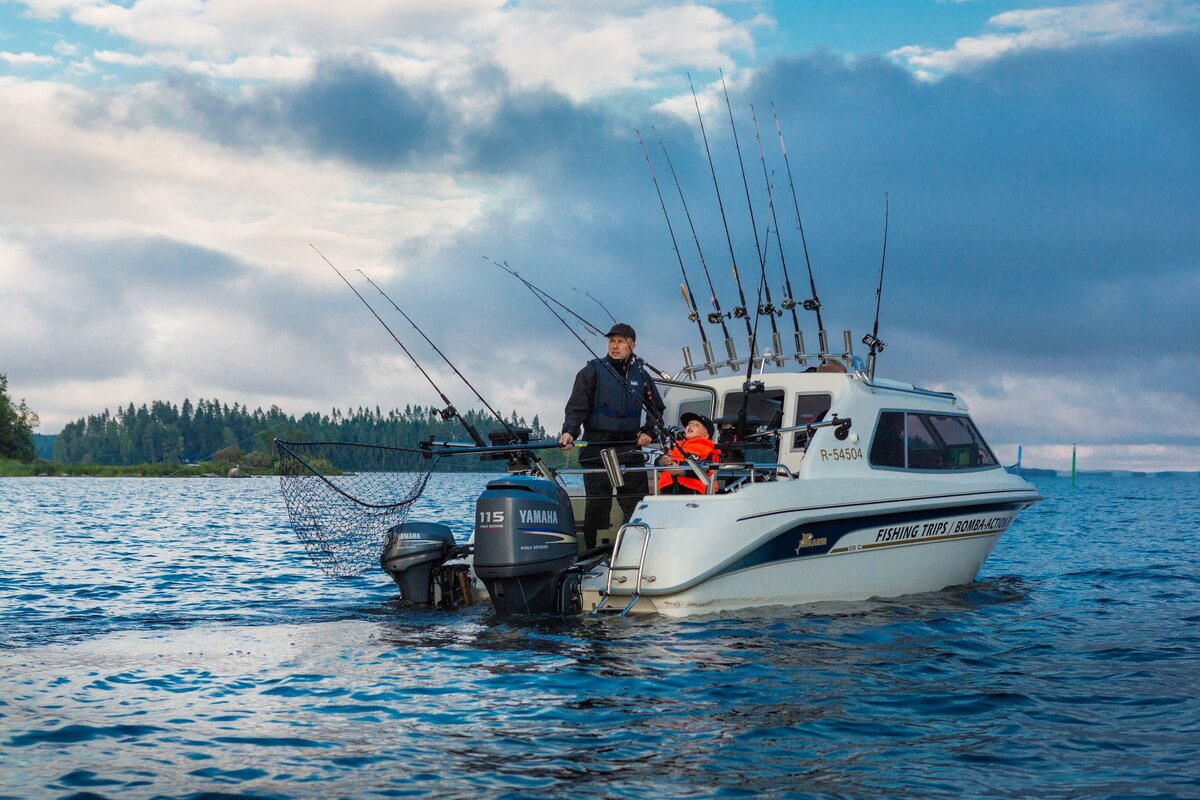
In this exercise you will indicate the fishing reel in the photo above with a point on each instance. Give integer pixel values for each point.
(715, 317)
(768, 310)
(787, 303)
(669, 436)
(449, 412)
(738, 312)
(811, 305)
(695, 315)
(875, 344)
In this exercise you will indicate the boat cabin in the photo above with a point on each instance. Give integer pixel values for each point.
(893, 425)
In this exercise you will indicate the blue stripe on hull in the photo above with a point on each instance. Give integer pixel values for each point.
(818, 538)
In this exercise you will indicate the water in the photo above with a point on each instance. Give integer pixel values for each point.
(169, 638)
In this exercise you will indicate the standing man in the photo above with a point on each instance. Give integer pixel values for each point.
(607, 400)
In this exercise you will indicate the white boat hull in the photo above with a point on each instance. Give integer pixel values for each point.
(793, 557)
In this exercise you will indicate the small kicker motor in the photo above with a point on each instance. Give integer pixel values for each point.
(415, 556)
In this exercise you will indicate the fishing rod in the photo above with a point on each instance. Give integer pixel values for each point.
(814, 303)
(666, 436)
(541, 293)
(872, 339)
(716, 316)
(741, 310)
(769, 308)
(597, 302)
(449, 411)
(779, 240)
(437, 350)
(652, 413)
(688, 295)
(751, 386)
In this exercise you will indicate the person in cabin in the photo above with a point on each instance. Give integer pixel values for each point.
(607, 401)
(698, 442)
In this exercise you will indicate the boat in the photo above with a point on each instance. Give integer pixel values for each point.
(847, 487)
(831, 485)
(863, 488)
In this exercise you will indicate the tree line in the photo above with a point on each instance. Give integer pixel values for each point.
(17, 422)
(210, 430)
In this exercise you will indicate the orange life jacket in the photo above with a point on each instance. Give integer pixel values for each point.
(704, 450)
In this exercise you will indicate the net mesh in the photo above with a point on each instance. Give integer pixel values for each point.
(342, 498)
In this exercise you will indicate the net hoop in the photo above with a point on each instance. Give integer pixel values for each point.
(343, 498)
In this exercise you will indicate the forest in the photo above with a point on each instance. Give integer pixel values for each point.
(209, 430)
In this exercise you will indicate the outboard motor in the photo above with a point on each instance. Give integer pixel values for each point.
(524, 543)
(415, 556)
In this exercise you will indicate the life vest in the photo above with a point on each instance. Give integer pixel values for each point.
(703, 450)
(616, 405)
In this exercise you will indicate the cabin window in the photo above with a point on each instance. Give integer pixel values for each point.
(923, 450)
(887, 448)
(962, 446)
(928, 441)
(681, 398)
(809, 408)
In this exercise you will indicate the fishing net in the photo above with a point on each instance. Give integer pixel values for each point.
(342, 498)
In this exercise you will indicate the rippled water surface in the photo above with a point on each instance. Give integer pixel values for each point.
(169, 638)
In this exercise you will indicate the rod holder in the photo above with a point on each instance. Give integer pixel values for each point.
(687, 363)
(800, 357)
(709, 358)
(823, 342)
(778, 343)
(612, 467)
(732, 351)
(848, 341)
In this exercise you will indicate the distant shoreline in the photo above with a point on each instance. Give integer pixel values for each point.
(45, 469)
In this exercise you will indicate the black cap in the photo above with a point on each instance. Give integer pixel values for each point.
(688, 416)
(621, 329)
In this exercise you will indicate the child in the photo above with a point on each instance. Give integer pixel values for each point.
(698, 432)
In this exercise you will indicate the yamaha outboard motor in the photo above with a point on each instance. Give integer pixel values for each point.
(415, 555)
(524, 543)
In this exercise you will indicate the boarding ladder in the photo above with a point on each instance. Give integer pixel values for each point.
(613, 569)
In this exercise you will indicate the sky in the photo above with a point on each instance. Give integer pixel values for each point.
(172, 168)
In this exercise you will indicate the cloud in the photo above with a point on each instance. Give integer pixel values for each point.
(1040, 231)
(27, 59)
(580, 51)
(1041, 258)
(1052, 28)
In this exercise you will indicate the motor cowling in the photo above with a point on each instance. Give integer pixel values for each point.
(414, 552)
(524, 541)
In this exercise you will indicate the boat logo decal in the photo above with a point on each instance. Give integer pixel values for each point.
(808, 540)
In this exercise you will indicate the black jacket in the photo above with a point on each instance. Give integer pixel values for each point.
(608, 397)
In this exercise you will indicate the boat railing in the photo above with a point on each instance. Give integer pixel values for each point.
(890, 386)
(691, 370)
(726, 477)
